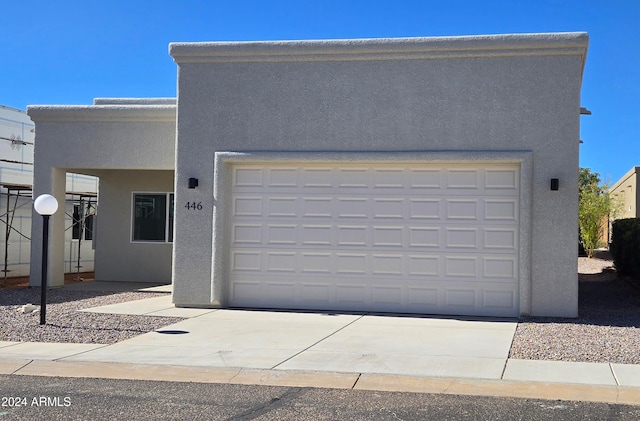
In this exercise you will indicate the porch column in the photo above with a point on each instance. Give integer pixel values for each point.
(47, 180)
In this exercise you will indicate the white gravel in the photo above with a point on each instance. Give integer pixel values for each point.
(607, 329)
(66, 324)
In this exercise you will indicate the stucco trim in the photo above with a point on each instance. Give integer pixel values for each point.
(221, 194)
(570, 43)
(102, 113)
(134, 101)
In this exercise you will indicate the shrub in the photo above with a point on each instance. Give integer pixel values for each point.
(625, 246)
(594, 208)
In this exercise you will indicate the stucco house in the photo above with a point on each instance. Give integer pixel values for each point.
(421, 175)
(625, 191)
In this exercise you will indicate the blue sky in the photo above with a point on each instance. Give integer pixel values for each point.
(68, 52)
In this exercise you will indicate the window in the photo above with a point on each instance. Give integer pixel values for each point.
(77, 227)
(152, 217)
(88, 227)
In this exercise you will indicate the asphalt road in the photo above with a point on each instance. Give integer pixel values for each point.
(55, 398)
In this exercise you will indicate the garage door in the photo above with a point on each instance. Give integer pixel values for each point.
(420, 238)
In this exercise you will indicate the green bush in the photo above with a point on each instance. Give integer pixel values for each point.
(625, 246)
(595, 206)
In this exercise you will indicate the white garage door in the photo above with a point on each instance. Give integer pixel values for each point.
(419, 238)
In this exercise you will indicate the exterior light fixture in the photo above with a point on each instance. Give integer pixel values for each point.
(193, 183)
(555, 184)
(46, 205)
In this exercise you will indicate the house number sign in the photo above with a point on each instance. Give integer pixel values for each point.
(193, 205)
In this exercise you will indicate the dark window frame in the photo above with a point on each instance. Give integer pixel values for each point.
(152, 215)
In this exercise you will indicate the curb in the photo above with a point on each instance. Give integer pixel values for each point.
(318, 379)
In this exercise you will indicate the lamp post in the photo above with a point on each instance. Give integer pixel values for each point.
(46, 205)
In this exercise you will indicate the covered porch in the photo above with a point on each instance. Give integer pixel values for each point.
(129, 145)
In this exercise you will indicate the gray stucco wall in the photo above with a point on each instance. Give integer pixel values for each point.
(496, 93)
(117, 258)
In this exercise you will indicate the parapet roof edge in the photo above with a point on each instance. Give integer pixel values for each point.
(134, 101)
(6, 107)
(559, 43)
(102, 113)
(625, 177)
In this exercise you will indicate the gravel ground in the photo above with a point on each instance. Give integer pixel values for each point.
(66, 324)
(607, 329)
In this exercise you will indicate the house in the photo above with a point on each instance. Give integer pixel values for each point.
(423, 175)
(16, 181)
(625, 191)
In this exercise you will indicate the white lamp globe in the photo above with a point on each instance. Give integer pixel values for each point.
(45, 204)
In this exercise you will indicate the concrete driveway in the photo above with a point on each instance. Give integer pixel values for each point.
(393, 344)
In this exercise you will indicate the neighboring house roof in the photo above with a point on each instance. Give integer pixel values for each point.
(624, 178)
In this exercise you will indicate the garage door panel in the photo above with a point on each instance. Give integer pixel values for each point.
(281, 207)
(315, 294)
(247, 206)
(442, 239)
(352, 236)
(352, 207)
(423, 299)
(461, 266)
(248, 177)
(382, 296)
(500, 238)
(502, 179)
(422, 208)
(317, 207)
(424, 237)
(351, 263)
(246, 260)
(281, 262)
(246, 293)
(279, 292)
(318, 263)
(457, 238)
(501, 210)
(466, 209)
(350, 178)
(317, 235)
(500, 268)
(393, 178)
(424, 266)
(498, 299)
(424, 178)
(387, 264)
(488, 181)
(389, 208)
(351, 294)
(449, 266)
(460, 297)
(388, 236)
(361, 295)
(462, 178)
(282, 177)
(246, 234)
(282, 234)
(314, 178)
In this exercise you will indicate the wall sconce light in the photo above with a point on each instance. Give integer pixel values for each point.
(555, 183)
(193, 183)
